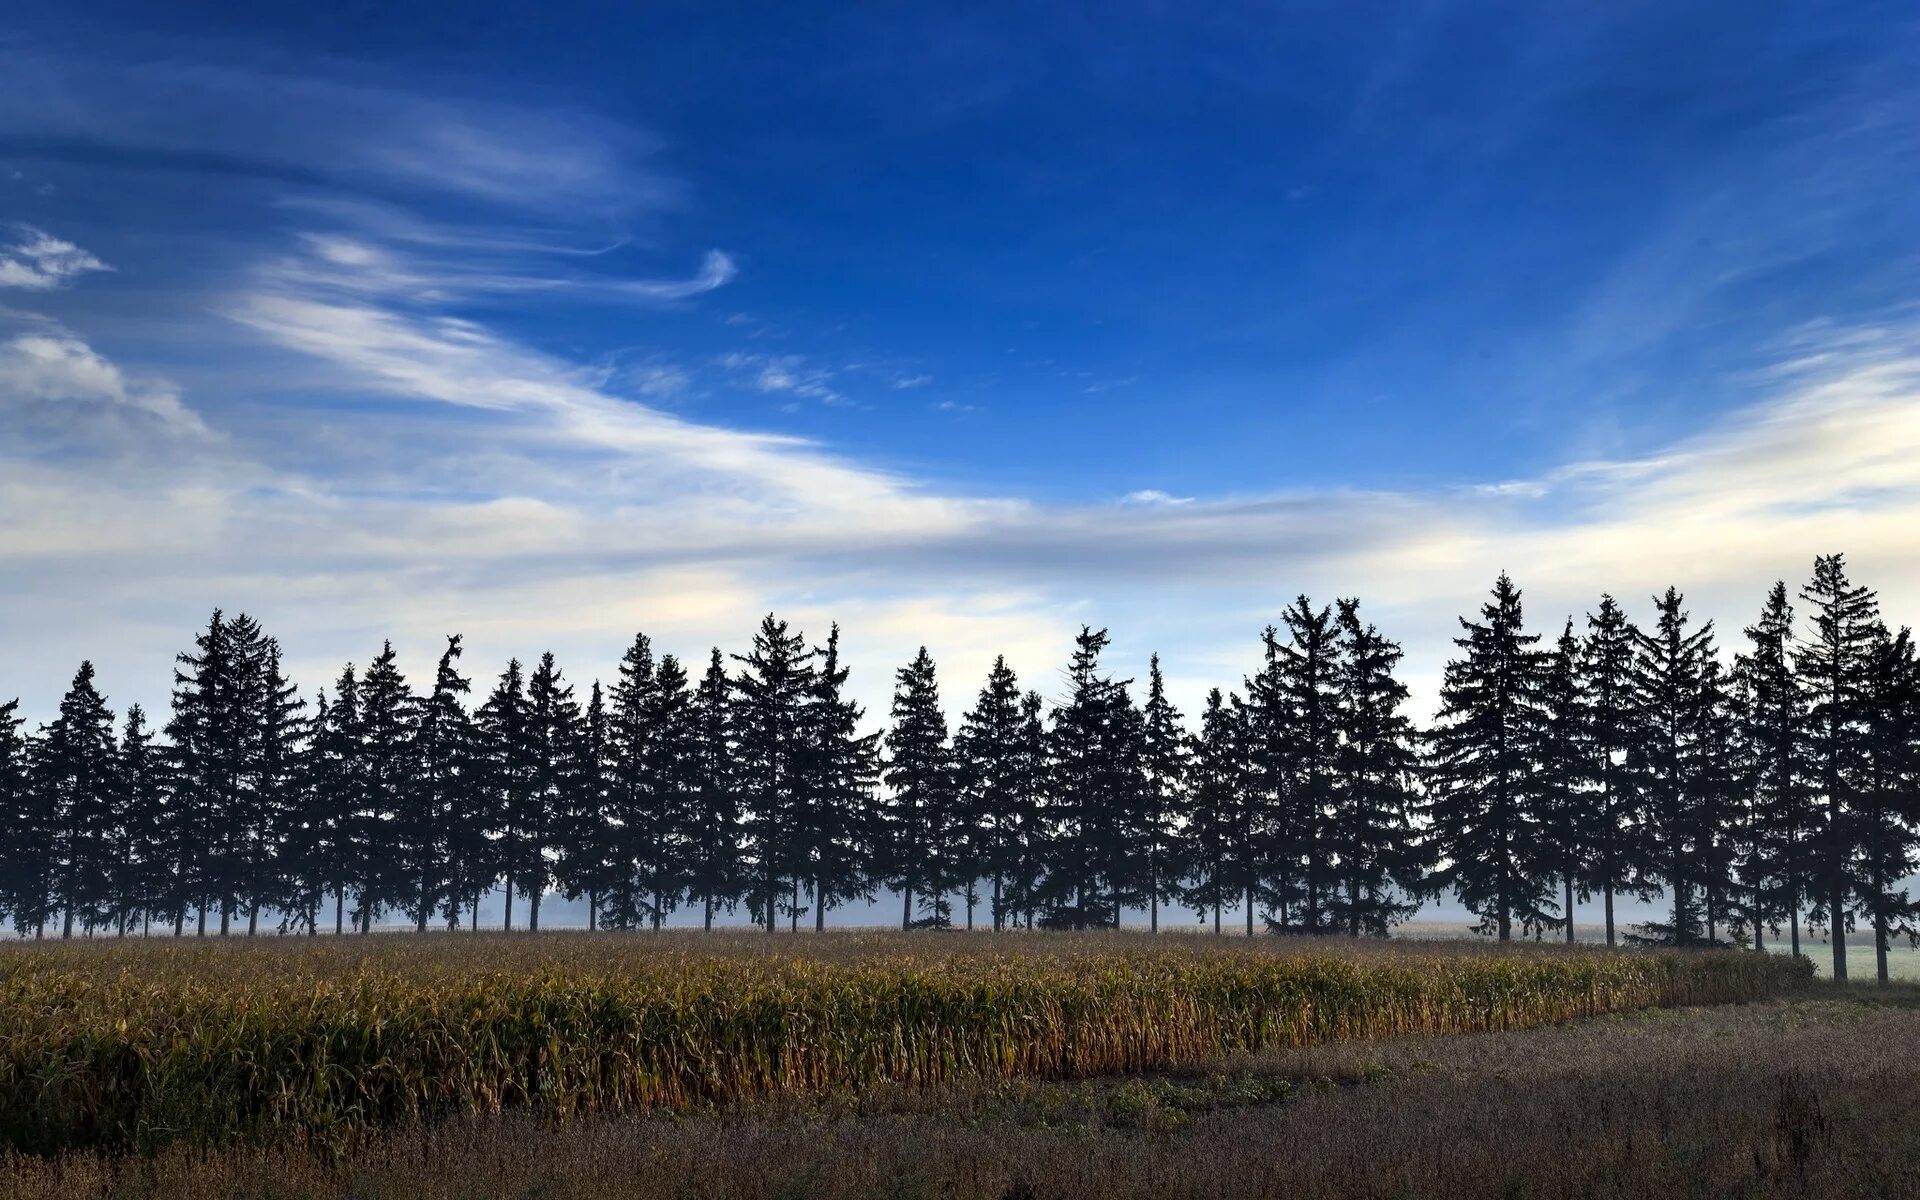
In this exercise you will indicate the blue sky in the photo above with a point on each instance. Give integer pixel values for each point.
(960, 324)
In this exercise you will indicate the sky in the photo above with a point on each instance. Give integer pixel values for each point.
(959, 324)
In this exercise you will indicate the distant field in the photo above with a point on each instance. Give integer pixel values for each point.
(135, 1045)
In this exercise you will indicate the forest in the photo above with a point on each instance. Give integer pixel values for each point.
(1756, 786)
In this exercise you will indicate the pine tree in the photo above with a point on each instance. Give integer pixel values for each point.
(1309, 680)
(1614, 832)
(1780, 822)
(17, 808)
(208, 733)
(1565, 762)
(553, 758)
(715, 872)
(1671, 671)
(506, 771)
(140, 783)
(1220, 864)
(586, 842)
(275, 786)
(670, 765)
(1164, 759)
(993, 785)
(1269, 844)
(1373, 800)
(388, 716)
(321, 853)
(640, 810)
(920, 774)
(1832, 663)
(1095, 788)
(1887, 803)
(1484, 808)
(74, 774)
(428, 827)
(772, 692)
(839, 774)
(1027, 876)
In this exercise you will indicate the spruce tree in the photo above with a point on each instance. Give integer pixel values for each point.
(1484, 808)
(1164, 762)
(584, 835)
(208, 734)
(1565, 762)
(1887, 799)
(1672, 667)
(993, 785)
(1309, 680)
(1374, 796)
(554, 738)
(388, 714)
(1615, 831)
(75, 776)
(506, 770)
(640, 810)
(333, 782)
(715, 873)
(1034, 833)
(275, 786)
(772, 692)
(1832, 662)
(920, 775)
(839, 773)
(1215, 851)
(139, 863)
(1095, 788)
(17, 807)
(1269, 845)
(428, 828)
(1776, 867)
(670, 766)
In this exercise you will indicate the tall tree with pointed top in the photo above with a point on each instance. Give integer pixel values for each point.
(428, 827)
(772, 692)
(716, 875)
(1164, 761)
(140, 799)
(208, 739)
(1483, 809)
(17, 806)
(75, 776)
(840, 771)
(1309, 680)
(584, 837)
(993, 787)
(506, 770)
(553, 760)
(1565, 763)
(388, 713)
(1671, 670)
(642, 826)
(1370, 827)
(1777, 865)
(1095, 787)
(1832, 661)
(1887, 797)
(1615, 832)
(920, 775)
(1220, 867)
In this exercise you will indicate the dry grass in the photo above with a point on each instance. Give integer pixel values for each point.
(318, 1043)
(1813, 1096)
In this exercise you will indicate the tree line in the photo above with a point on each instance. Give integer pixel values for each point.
(1611, 760)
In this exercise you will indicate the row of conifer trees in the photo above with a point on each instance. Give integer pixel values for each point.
(1752, 792)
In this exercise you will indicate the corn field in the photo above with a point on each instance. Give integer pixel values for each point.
(133, 1046)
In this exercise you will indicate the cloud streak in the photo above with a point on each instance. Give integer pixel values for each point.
(36, 261)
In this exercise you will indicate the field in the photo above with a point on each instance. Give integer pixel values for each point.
(747, 1065)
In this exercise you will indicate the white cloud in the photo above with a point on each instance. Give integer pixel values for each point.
(1154, 496)
(37, 261)
(51, 382)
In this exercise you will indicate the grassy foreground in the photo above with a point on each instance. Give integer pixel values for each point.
(134, 1046)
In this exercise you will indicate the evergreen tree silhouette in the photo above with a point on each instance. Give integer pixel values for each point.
(1484, 808)
(1213, 827)
(839, 773)
(584, 836)
(1781, 820)
(140, 861)
(1371, 834)
(379, 869)
(1832, 661)
(553, 759)
(1615, 829)
(715, 874)
(994, 788)
(1672, 667)
(1309, 681)
(1887, 797)
(275, 786)
(1565, 765)
(641, 809)
(208, 733)
(1164, 760)
(74, 774)
(26, 851)
(506, 773)
(1095, 787)
(920, 776)
(769, 728)
(435, 815)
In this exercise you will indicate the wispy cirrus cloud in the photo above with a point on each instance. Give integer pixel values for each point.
(37, 261)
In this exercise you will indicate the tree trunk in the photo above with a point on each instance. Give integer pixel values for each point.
(906, 907)
(533, 909)
(1569, 897)
(340, 911)
(1838, 928)
(1609, 906)
(507, 918)
(819, 906)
